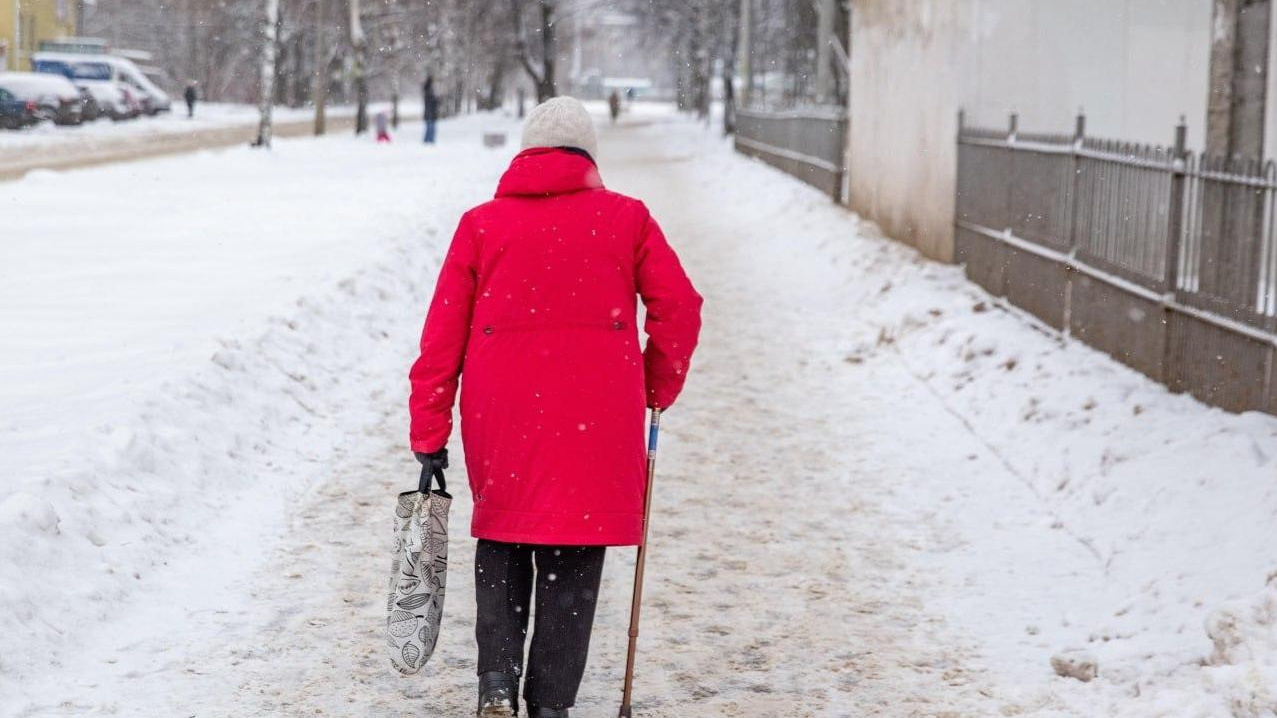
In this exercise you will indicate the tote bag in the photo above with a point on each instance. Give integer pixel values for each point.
(418, 573)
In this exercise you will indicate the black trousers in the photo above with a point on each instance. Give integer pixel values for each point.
(567, 587)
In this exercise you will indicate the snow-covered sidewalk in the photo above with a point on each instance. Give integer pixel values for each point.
(54, 147)
(208, 116)
(881, 494)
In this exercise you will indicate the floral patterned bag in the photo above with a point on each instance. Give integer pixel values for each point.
(418, 573)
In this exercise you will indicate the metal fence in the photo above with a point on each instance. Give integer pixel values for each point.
(806, 143)
(1164, 259)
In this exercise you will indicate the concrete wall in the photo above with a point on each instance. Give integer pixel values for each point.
(1134, 66)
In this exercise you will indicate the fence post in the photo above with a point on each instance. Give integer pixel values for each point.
(1079, 134)
(1175, 222)
(1174, 241)
(1070, 212)
(1013, 127)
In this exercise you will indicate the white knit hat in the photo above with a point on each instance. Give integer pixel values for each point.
(560, 122)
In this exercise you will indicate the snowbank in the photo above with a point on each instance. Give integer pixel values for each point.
(208, 115)
(181, 360)
(1124, 516)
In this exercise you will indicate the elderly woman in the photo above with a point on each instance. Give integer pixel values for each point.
(536, 307)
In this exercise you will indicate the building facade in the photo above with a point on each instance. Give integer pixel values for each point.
(1133, 66)
(25, 23)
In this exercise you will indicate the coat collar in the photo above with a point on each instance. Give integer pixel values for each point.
(545, 171)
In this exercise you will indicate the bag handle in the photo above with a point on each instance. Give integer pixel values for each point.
(423, 485)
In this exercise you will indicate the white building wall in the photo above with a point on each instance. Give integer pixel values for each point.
(1133, 66)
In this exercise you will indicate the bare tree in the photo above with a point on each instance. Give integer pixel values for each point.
(266, 99)
(359, 41)
(320, 91)
(540, 70)
(326, 54)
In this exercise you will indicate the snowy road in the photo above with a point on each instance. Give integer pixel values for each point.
(857, 510)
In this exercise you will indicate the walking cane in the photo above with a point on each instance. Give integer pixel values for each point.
(636, 601)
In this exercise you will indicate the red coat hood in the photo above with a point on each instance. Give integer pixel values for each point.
(543, 171)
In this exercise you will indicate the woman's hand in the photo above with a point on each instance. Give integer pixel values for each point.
(433, 460)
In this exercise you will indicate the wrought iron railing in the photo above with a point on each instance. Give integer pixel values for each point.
(807, 143)
(1165, 259)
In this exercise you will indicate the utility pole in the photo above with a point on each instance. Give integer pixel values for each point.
(1235, 113)
(321, 68)
(744, 51)
(824, 46)
(1238, 78)
(17, 35)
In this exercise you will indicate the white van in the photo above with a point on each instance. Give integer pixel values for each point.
(82, 69)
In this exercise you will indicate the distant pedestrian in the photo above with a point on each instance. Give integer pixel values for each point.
(614, 105)
(190, 95)
(429, 108)
(383, 127)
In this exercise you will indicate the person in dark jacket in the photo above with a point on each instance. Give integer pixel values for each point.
(614, 105)
(429, 108)
(536, 307)
(190, 95)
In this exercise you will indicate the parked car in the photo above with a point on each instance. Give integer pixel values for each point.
(90, 109)
(111, 99)
(15, 113)
(157, 100)
(55, 97)
(137, 99)
(105, 68)
(134, 105)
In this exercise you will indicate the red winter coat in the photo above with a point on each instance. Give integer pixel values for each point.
(535, 308)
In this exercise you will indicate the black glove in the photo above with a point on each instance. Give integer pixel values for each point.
(433, 460)
(432, 466)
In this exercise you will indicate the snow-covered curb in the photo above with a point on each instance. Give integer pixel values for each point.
(208, 116)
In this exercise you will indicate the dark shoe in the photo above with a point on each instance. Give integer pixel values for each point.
(498, 695)
(534, 712)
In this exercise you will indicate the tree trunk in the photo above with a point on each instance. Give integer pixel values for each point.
(729, 100)
(283, 56)
(542, 77)
(496, 85)
(704, 62)
(267, 91)
(321, 69)
(548, 87)
(744, 43)
(732, 50)
(359, 42)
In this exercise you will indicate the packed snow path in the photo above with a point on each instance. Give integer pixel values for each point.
(853, 515)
